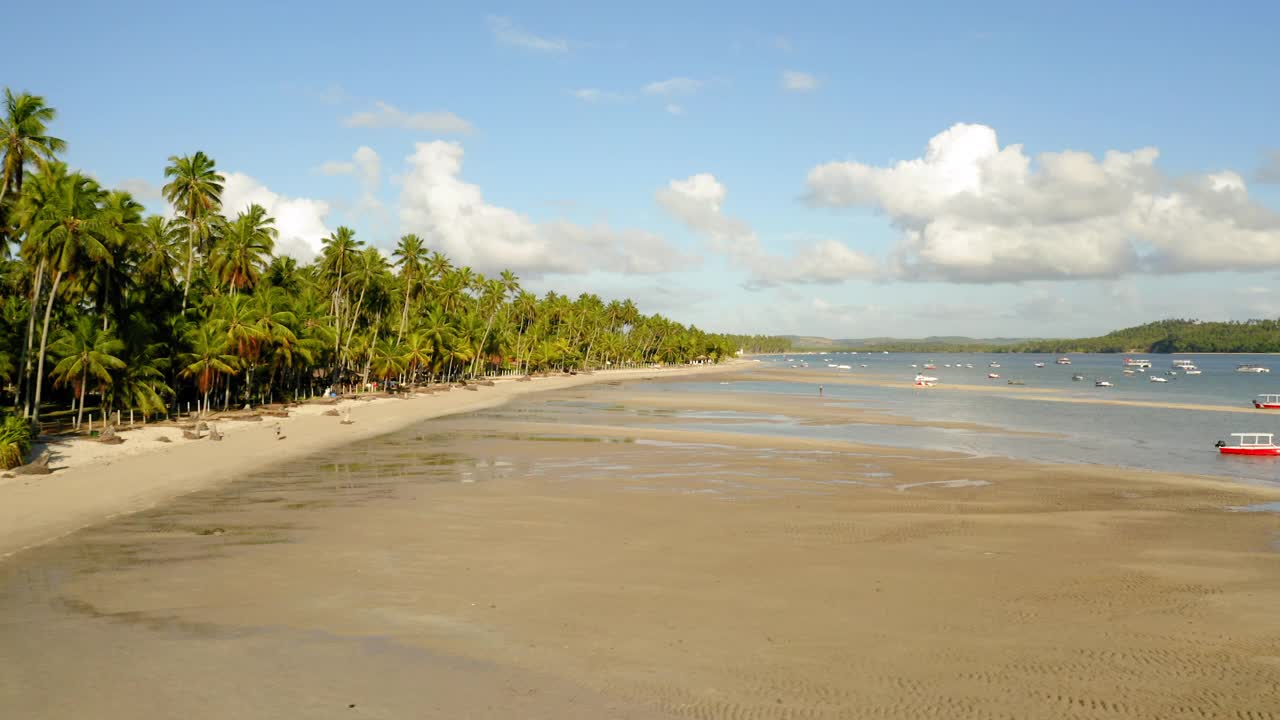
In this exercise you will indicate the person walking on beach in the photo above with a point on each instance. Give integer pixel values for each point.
(819, 391)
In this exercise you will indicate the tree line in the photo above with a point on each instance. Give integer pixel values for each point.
(106, 307)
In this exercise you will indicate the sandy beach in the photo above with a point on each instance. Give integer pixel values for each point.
(579, 554)
(93, 481)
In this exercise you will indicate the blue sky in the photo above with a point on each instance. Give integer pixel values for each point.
(743, 168)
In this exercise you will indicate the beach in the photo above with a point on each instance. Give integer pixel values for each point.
(587, 552)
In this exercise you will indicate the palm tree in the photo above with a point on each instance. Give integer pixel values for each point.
(417, 351)
(239, 320)
(195, 191)
(85, 350)
(240, 255)
(72, 233)
(208, 357)
(409, 253)
(438, 332)
(140, 383)
(337, 253)
(23, 139)
(157, 246)
(113, 280)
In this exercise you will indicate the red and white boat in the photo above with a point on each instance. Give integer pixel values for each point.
(1267, 402)
(925, 380)
(1250, 444)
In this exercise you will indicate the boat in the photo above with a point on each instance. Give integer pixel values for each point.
(1157, 378)
(914, 365)
(1039, 364)
(993, 376)
(1252, 369)
(925, 380)
(1077, 376)
(1191, 370)
(1128, 371)
(1171, 373)
(994, 364)
(930, 366)
(845, 367)
(1103, 383)
(1016, 382)
(1063, 361)
(969, 365)
(1179, 364)
(1250, 444)
(1267, 402)
(1137, 363)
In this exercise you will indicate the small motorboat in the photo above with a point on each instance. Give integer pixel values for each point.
(1249, 444)
(930, 366)
(1192, 370)
(1252, 369)
(993, 376)
(1267, 402)
(969, 365)
(1103, 383)
(1157, 378)
(1127, 371)
(994, 364)
(1063, 361)
(1139, 363)
(925, 381)
(845, 367)
(1077, 377)
(1039, 364)
(914, 365)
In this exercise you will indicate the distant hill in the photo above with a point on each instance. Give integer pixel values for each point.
(1163, 336)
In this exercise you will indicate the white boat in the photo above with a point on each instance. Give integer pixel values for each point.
(969, 365)
(1183, 363)
(994, 364)
(832, 365)
(845, 367)
(993, 376)
(925, 380)
(1063, 361)
(914, 365)
(1252, 369)
(1140, 363)
(1193, 370)
(1127, 371)
(1157, 378)
(1039, 364)
(1103, 383)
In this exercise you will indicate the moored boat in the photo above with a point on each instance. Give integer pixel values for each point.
(1103, 383)
(1077, 376)
(1063, 361)
(993, 376)
(1267, 402)
(1252, 369)
(1140, 363)
(1039, 364)
(925, 381)
(1157, 378)
(1250, 444)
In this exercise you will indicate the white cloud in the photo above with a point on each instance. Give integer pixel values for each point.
(697, 201)
(299, 220)
(388, 116)
(973, 211)
(596, 95)
(675, 109)
(367, 167)
(673, 86)
(506, 32)
(142, 190)
(795, 81)
(454, 216)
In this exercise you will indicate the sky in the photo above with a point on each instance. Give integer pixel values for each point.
(841, 169)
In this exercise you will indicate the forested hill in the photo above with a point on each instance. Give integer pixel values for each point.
(1170, 336)
(1164, 336)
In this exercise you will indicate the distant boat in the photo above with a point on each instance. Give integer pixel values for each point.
(1077, 376)
(1039, 364)
(1157, 378)
(1250, 444)
(993, 376)
(1128, 371)
(844, 367)
(1139, 363)
(1252, 369)
(1183, 364)
(925, 380)
(1103, 383)
(1191, 370)
(1267, 402)
(1063, 361)
(994, 364)
(969, 365)
(930, 366)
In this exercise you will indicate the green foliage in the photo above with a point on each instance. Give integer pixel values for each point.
(15, 441)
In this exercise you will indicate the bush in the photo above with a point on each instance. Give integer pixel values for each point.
(15, 441)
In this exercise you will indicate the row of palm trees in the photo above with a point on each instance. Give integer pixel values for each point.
(104, 305)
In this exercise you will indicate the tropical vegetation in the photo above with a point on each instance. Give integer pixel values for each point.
(106, 308)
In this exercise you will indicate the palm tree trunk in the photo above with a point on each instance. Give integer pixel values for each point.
(404, 314)
(24, 384)
(44, 344)
(191, 255)
(84, 382)
(355, 317)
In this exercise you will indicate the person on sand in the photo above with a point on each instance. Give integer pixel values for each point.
(279, 431)
(819, 391)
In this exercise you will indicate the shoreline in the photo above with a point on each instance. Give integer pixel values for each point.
(106, 481)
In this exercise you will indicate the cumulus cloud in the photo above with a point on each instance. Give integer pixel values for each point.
(506, 32)
(596, 95)
(453, 215)
(301, 221)
(365, 164)
(795, 81)
(972, 211)
(673, 86)
(698, 201)
(1270, 170)
(385, 115)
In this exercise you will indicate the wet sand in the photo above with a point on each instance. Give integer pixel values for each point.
(574, 555)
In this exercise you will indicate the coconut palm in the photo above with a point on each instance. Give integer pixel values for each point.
(85, 350)
(409, 254)
(23, 138)
(71, 234)
(195, 191)
(417, 352)
(207, 358)
(157, 244)
(241, 253)
(140, 383)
